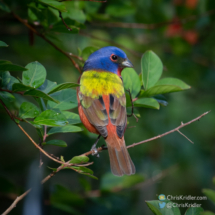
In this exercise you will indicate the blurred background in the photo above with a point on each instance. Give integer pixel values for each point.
(181, 33)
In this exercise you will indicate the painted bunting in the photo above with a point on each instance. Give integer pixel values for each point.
(102, 104)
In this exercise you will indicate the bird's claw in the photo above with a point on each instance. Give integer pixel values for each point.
(94, 151)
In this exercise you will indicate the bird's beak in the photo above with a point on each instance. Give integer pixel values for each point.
(127, 63)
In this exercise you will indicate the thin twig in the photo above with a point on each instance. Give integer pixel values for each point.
(48, 41)
(132, 106)
(10, 91)
(8, 112)
(60, 15)
(185, 136)
(13, 205)
(153, 26)
(29, 137)
(37, 146)
(169, 132)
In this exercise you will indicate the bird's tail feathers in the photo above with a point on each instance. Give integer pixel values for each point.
(120, 160)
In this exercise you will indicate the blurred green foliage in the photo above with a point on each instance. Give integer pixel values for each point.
(186, 51)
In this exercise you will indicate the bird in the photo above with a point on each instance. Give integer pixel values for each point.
(102, 104)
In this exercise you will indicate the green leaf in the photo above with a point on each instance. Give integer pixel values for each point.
(65, 129)
(5, 96)
(4, 79)
(47, 86)
(210, 194)
(110, 182)
(165, 85)
(20, 87)
(54, 169)
(35, 76)
(62, 159)
(147, 103)
(167, 209)
(8, 66)
(40, 94)
(28, 110)
(63, 86)
(54, 4)
(51, 118)
(91, 176)
(60, 143)
(7, 81)
(151, 67)
(88, 51)
(71, 117)
(153, 206)
(194, 211)
(131, 81)
(75, 13)
(67, 100)
(12, 82)
(2, 44)
(31, 14)
(79, 159)
(4, 7)
(82, 169)
(34, 124)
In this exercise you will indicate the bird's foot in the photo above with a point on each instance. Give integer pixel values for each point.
(94, 151)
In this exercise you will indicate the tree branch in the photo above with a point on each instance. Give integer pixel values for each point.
(100, 149)
(68, 55)
(18, 198)
(169, 132)
(60, 15)
(185, 136)
(132, 106)
(10, 91)
(29, 137)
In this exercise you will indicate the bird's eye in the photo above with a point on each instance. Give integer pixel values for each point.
(114, 57)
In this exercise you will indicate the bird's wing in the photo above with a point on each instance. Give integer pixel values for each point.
(95, 112)
(118, 114)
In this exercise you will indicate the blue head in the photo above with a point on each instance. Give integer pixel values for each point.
(109, 58)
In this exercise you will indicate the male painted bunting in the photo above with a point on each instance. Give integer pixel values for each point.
(102, 104)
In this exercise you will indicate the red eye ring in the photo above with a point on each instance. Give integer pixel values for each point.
(113, 58)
